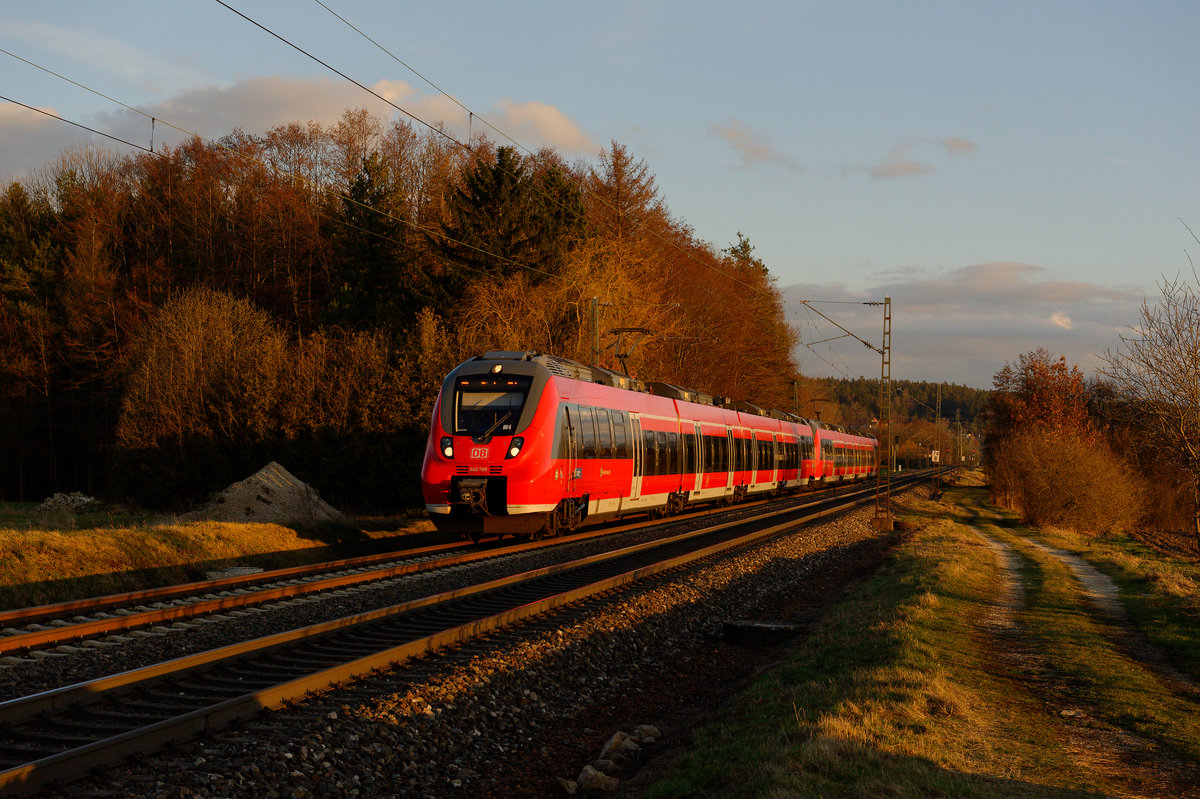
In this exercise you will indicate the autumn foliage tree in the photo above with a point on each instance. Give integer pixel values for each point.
(297, 295)
(1044, 456)
(1041, 392)
(1156, 377)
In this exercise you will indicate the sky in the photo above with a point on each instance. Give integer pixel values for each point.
(1013, 175)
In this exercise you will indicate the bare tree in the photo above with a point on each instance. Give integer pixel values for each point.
(1157, 370)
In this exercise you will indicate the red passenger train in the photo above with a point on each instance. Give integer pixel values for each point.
(528, 444)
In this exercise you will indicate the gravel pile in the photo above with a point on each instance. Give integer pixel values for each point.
(272, 494)
(528, 711)
(67, 503)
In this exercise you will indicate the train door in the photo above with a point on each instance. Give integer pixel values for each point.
(571, 451)
(754, 466)
(729, 465)
(696, 481)
(776, 463)
(635, 446)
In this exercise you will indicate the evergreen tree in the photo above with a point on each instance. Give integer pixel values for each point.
(379, 282)
(494, 227)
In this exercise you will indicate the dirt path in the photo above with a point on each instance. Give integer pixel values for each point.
(1102, 592)
(1136, 766)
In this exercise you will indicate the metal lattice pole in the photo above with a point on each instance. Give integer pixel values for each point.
(887, 452)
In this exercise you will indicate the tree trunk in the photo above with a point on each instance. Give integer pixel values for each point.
(1196, 509)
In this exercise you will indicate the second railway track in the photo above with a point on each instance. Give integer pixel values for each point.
(37, 628)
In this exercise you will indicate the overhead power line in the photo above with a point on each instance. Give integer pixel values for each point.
(78, 124)
(260, 162)
(434, 128)
(408, 113)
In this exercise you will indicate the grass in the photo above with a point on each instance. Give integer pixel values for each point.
(1161, 594)
(899, 693)
(53, 557)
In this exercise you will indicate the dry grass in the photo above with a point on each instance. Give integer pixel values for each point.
(48, 564)
(31, 561)
(1160, 591)
(893, 694)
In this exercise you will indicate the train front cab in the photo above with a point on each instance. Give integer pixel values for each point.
(488, 454)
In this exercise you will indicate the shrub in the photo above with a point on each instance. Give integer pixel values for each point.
(1064, 479)
(216, 391)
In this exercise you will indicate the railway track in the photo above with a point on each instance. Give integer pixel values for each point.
(61, 734)
(64, 623)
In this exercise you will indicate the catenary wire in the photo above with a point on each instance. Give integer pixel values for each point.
(409, 223)
(365, 88)
(771, 294)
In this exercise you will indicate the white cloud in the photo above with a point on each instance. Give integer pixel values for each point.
(396, 91)
(105, 55)
(1062, 320)
(536, 124)
(962, 325)
(899, 164)
(755, 148)
(902, 162)
(257, 105)
(32, 140)
(955, 146)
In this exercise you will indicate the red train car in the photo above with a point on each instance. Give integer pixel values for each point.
(522, 443)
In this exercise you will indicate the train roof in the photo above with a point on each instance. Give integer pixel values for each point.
(564, 367)
(678, 392)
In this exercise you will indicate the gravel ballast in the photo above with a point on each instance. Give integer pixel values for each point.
(527, 711)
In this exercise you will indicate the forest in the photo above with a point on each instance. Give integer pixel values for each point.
(172, 321)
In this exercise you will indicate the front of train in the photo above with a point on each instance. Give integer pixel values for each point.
(488, 467)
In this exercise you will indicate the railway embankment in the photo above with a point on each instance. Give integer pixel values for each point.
(961, 655)
(981, 659)
(70, 554)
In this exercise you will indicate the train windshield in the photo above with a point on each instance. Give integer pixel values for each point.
(487, 405)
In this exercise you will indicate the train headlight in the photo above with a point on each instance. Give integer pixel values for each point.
(514, 447)
(448, 448)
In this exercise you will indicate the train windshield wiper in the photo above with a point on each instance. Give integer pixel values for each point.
(499, 422)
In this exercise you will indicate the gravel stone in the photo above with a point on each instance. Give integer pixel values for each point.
(527, 711)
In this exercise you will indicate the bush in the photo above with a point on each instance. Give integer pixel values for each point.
(217, 391)
(1064, 479)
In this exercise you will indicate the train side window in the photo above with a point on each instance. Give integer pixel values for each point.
(587, 433)
(620, 434)
(673, 455)
(603, 434)
(685, 450)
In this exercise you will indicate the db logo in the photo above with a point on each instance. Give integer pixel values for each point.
(479, 453)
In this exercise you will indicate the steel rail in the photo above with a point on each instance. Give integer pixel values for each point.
(75, 762)
(59, 610)
(66, 633)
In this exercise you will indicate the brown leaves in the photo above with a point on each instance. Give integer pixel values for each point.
(1040, 392)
